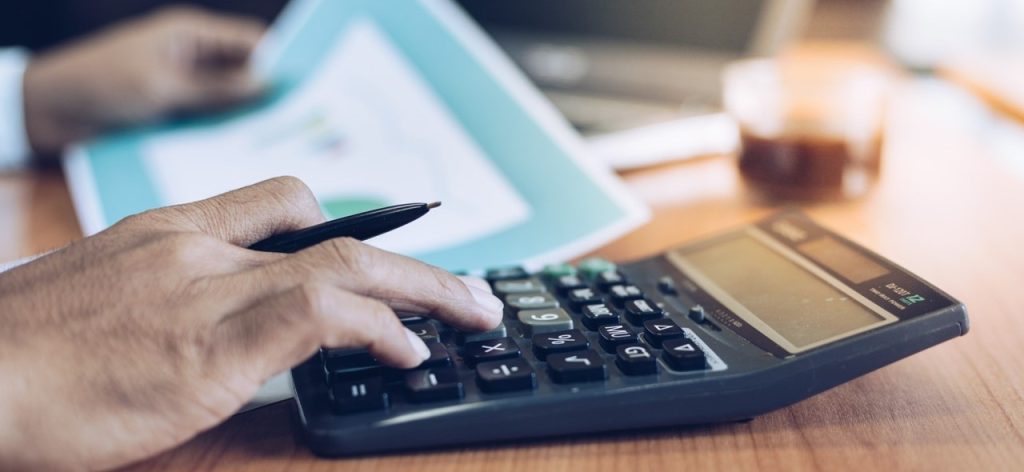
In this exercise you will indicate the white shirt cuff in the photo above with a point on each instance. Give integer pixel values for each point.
(14, 150)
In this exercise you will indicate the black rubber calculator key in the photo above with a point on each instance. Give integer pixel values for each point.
(439, 356)
(559, 341)
(609, 278)
(638, 311)
(580, 366)
(506, 375)
(349, 364)
(620, 294)
(667, 286)
(431, 385)
(683, 354)
(636, 359)
(583, 296)
(657, 331)
(505, 273)
(492, 350)
(359, 395)
(615, 335)
(599, 314)
(425, 330)
(567, 283)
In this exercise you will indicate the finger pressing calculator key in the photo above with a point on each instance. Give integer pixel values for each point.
(576, 344)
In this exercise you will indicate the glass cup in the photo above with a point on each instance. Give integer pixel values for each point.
(808, 129)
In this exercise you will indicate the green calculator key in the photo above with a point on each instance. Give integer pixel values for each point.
(554, 271)
(595, 265)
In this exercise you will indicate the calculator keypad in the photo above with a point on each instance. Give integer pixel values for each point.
(577, 328)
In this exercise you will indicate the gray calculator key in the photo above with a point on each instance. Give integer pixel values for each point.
(530, 285)
(499, 332)
(545, 321)
(530, 301)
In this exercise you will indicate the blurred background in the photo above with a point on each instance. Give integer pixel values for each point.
(643, 79)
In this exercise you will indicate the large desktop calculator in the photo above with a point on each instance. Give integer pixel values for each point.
(719, 330)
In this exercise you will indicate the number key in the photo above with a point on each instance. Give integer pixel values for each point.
(544, 321)
(531, 301)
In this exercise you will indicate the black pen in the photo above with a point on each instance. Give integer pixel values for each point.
(361, 226)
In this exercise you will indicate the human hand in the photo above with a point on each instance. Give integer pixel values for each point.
(177, 59)
(131, 341)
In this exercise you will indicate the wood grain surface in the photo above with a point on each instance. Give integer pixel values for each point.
(949, 206)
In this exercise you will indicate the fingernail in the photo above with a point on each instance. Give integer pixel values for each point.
(486, 300)
(477, 282)
(418, 344)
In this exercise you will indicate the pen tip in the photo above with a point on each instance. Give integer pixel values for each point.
(433, 205)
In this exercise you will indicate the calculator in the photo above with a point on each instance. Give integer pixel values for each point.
(720, 330)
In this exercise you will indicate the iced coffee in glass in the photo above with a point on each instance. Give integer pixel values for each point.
(808, 130)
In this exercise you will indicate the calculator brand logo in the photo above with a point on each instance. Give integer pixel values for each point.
(912, 299)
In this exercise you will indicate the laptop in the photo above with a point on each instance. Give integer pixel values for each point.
(618, 67)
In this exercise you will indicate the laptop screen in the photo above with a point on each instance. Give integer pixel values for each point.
(724, 25)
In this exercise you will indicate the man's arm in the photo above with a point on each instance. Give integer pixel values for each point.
(14, 149)
(131, 341)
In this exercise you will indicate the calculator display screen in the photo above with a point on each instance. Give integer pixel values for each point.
(779, 293)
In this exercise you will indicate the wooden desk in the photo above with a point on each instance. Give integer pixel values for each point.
(947, 207)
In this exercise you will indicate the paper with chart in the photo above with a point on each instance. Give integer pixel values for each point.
(378, 103)
(363, 132)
